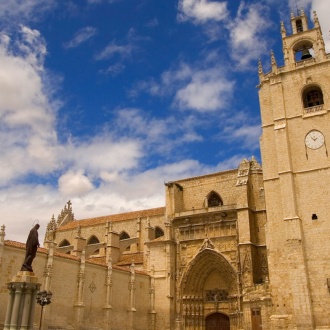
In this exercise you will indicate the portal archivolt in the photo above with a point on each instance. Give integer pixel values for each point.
(207, 286)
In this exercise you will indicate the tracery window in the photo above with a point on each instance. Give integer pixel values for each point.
(214, 200)
(312, 96)
(159, 232)
(216, 295)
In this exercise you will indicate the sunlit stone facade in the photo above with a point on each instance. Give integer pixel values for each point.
(240, 249)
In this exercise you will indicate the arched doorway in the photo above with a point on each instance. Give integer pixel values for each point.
(217, 321)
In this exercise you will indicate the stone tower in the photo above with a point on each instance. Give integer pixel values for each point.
(295, 111)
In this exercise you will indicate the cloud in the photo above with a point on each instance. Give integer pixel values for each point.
(192, 87)
(114, 70)
(27, 116)
(157, 135)
(202, 11)
(207, 90)
(102, 153)
(135, 191)
(113, 49)
(81, 36)
(247, 34)
(322, 8)
(14, 11)
(74, 184)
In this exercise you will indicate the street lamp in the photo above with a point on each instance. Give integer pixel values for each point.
(43, 298)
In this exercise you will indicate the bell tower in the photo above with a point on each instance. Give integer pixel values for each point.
(295, 111)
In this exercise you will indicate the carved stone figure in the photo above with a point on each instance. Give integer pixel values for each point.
(32, 245)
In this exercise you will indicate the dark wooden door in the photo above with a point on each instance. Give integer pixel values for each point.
(256, 319)
(217, 321)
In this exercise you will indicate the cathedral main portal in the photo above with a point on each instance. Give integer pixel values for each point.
(217, 321)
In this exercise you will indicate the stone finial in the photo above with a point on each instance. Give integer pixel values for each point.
(254, 165)
(283, 30)
(302, 12)
(66, 214)
(2, 234)
(260, 71)
(52, 224)
(315, 19)
(272, 58)
(292, 14)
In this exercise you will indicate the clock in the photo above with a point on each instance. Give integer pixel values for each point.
(314, 139)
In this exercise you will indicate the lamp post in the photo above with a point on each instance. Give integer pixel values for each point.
(43, 298)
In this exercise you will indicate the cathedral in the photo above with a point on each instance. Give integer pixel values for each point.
(239, 249)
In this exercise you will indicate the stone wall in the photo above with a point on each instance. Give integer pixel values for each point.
(86, 296)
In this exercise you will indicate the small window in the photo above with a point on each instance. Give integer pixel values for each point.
(159, 232)
(93, 240)
(216, 295)
(65, 242)
(299, 25)
(214, 200)
(123, 235)
(312, 96)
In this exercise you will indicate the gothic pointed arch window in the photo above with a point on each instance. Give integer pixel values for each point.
(214, 199)
(312, 96)
(63, 243)
(93, 240)
(123, 235)
(158, 232)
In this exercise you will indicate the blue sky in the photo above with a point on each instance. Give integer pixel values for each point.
(101, 102)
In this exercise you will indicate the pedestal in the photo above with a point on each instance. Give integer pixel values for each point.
(21, 305)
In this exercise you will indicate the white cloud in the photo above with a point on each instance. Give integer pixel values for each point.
(208, 90)
(247, 34)
(120, 194)
(81, 36)
(293, 4)
(199, 89)
(322, 8)
(103, 154)
(13, 11)
(113, 70)
(74, 184)
(201, 11)
(27, 117)
(112, 49)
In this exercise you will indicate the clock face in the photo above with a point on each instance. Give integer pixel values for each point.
(314, 139)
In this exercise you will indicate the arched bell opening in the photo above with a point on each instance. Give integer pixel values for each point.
(207, 286)
(303, 50)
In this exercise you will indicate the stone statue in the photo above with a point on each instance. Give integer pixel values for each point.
(32, 245)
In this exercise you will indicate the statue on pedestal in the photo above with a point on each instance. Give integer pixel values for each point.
(32, 245)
